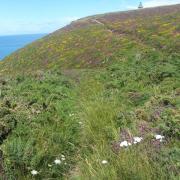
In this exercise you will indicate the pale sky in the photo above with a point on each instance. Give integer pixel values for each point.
(44, 16)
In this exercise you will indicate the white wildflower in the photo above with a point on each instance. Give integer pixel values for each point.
(137, 140)
(63, 158)
(49, 165)
(159, 137)
(124, 144)
(104, 162)
(80, 123)
(34, 172)
(57, 161)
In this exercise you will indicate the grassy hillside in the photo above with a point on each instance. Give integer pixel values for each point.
(83, 90)
(96, 41)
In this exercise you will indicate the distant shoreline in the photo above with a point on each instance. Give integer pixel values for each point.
(8, 35)
(11, 43)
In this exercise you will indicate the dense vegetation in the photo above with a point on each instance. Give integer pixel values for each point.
(83, 90)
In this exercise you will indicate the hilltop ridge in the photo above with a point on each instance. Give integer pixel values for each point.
(87, 42)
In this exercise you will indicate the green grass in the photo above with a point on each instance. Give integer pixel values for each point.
(44, 127)
(108, 110)
(65, 95)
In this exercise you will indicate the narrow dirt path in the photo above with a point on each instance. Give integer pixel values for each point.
(118, 33)
(102, 24)
(98, 22)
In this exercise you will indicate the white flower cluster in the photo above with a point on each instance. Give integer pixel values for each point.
(135, 141)
(125, 144)
(59, 161)
(56, 162)
(159, 137)
(34, 172)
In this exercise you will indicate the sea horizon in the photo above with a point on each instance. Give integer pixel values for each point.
(11, 43)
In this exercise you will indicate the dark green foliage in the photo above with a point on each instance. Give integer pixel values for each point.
(44, 128)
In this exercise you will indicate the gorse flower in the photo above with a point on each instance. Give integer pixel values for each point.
(34, 172)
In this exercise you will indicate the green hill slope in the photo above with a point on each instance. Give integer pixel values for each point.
(87, 101)
(92, 41)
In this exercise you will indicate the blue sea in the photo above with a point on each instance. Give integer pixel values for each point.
(9, 44)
